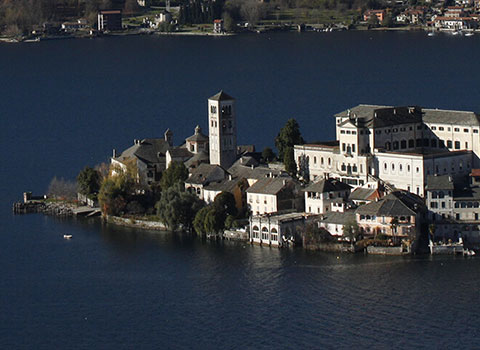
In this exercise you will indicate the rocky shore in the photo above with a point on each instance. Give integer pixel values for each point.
(49, 208)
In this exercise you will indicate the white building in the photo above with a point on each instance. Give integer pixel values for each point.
(269, 195)
(275, 230)
(399, 146)
(325, 196)
(222, 130)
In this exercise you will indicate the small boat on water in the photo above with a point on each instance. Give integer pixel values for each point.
(67, 236)
(469, 34)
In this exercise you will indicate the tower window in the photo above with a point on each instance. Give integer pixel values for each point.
(213, 109)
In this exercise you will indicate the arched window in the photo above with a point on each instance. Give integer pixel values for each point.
(274, 230)
(403, 144)
(264, 233)
(255, 230)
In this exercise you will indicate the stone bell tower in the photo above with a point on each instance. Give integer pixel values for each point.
(222, 130)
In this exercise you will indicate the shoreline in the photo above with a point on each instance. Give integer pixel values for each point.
(136, 32)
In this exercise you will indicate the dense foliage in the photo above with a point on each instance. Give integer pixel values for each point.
(175, 173)
(177, 208)
(88, 181)
(219, 215)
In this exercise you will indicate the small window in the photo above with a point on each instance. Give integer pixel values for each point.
(434, 128)
(342, 131)
(475, 131)
(465, 130)
(449, 144)
(457, 144)
(441, 128)
(456, 129)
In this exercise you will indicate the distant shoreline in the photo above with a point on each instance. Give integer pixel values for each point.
(136, 32)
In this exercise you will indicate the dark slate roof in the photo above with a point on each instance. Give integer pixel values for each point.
(388, 115)
(202, 174)
(180, 152)
(226, 185)
(328, 185)
(198, 136)
(246, 161)
(221, 96)
(451, 117)
(443, 182)
(400, 203)
(200, 157)
(247, 172)
(268, 185)
(466, 193)
(362, 194)
(381, 116)
(339, 218)
(150, 151)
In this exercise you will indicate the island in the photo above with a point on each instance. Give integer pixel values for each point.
(396, 180)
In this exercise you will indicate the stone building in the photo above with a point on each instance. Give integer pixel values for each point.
(222, 130)
(398, 146)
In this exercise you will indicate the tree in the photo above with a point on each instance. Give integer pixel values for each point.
(88, 181)
(228, 22)
(224, 203)
(199, 221)
(373, 21)
(175, 173)
(387, 21)
(288, 136)
(267, 154)
(178, 208)
(117, 188)
(289, 161)
(62, 189)
(351, 230)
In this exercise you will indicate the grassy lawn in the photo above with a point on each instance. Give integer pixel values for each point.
(310, 16)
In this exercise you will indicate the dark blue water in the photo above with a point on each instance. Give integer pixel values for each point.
(67, 104)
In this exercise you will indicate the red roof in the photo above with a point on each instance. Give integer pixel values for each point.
(111, 12)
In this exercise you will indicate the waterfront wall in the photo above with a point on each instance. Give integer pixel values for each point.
(386, 250)
(131, 222)
(50, 208)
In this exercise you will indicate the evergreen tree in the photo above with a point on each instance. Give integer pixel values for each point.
(288, 136)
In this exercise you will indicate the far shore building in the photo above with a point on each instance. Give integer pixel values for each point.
(218, 26)
(380, 14)
(109, 20)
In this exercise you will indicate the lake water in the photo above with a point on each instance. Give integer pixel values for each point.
(66, 104)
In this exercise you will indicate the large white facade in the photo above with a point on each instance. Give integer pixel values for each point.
(397, 145)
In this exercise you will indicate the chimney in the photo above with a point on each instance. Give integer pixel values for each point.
(253, 166)
(114, 155)
(168, 137)
(229, 177)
